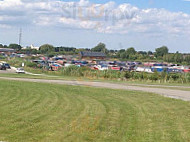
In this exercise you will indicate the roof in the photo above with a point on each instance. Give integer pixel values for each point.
(92, 54)
(6, 50)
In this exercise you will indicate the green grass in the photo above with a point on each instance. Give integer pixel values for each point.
(35, 112)
(183, 87)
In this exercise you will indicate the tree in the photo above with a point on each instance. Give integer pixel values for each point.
(169, 57)
(149, 53)
(142, 52)
(5, 46)
(15, 46)
(101, 47)
(1, 46)
(123, 55)
(130, 51)
(178, 57)
(187, 59)
(47, 48)
(120, 53)
(160, 52)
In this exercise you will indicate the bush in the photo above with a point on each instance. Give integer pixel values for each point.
(154, 76)
(31, 64)
(188, 77)
(175, 77)
(127, 75)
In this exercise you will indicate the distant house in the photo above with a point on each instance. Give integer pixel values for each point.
(31, 47)
(7, 50)
(92, 55)
(34, 47)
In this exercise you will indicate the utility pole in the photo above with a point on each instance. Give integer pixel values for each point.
(20, 36)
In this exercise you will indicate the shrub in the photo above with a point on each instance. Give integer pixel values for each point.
(127, 75)
(175, 76)
(188, 77)
(154, 76)
(31, 64)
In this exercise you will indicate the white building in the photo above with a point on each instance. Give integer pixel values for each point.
(31, 47)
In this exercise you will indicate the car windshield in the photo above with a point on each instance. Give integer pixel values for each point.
(104, 66)
(20, 69)
(6, 64)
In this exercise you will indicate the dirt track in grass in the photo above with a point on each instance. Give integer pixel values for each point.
(177, 94)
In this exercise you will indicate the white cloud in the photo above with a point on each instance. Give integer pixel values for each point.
(106, 18)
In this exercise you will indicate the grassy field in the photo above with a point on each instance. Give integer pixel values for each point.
(55, 77)
(184, 87)
(57, 113)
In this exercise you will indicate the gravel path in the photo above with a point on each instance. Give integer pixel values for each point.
(177, 94)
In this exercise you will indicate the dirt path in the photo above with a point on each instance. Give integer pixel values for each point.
(177, 94)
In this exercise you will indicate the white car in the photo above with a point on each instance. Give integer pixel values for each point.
(20, 70)
(101, 67)
(144, 69)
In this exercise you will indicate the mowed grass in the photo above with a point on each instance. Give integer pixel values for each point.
(36, 112)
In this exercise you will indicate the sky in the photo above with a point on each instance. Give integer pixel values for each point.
(142, 24)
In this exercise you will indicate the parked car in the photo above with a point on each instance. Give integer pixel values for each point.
(101, 67)
(7, 66)
(2, 67)
(20, 70)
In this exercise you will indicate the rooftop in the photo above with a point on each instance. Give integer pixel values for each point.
(92, 54)
(6, 50)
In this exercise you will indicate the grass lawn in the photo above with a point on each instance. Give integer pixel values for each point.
(58, 113)
(184, 87)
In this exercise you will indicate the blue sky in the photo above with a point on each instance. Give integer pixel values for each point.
(143, 24)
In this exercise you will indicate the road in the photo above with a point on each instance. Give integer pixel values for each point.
(177, 94)
(7, 71)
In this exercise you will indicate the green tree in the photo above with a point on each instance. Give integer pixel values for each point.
(131, 51)
(101, 47)
(169, 57)
(178, 57)
(15, 46)
(149, 53)
(160, 52)
(5, 46)
(187, 59)
(47, 48)
(1, 46)
(121, 53)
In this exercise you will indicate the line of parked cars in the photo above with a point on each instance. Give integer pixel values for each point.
(56, 63)
(159, 67)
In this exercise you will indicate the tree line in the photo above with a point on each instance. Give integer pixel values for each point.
(160, 54)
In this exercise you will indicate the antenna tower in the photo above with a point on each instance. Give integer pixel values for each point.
(20, 36)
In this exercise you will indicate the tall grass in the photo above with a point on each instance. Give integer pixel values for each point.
(140, 76)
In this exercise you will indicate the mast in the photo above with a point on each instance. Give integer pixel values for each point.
(20, 36)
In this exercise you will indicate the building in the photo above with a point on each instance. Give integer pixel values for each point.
(92, 55)
(31, 47)
(7, 50)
